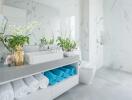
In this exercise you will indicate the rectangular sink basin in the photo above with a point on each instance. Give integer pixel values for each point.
(42, 56)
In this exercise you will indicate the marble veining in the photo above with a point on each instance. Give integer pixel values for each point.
(118, 22)
(114, 4)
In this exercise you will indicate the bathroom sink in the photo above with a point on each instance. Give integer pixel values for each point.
(42, 56)
(31, 48)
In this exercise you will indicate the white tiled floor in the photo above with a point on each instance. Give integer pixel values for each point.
(107, 85)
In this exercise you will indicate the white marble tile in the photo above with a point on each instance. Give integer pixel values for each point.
(118, 22)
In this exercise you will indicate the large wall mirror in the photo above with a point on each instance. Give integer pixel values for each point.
(54, 16)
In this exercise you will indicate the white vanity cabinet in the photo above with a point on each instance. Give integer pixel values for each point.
(9, 74)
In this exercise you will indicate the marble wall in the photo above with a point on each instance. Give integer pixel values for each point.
(84, 31)
(92, 29)
(96, 30)
(54, 17)
(48, 17)
(118, 34)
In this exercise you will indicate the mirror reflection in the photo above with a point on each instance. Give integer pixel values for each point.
(55, 17)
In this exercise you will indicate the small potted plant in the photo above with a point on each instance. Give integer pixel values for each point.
(15, 42)
(67, 45)
(46, 43)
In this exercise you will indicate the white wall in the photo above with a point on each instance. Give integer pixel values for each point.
(96, 23)
(1, 3)
(92, 28)
(53, 19)
(84, 29)
(48, 17)
(118, 34)
(9, 12)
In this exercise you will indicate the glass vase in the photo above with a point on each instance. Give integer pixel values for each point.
(19, 56)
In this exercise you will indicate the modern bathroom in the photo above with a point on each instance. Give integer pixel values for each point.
(65, 50)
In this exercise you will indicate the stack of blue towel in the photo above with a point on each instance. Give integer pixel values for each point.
(60, 74)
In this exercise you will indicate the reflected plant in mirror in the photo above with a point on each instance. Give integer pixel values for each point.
(66, 44)
(47, 43)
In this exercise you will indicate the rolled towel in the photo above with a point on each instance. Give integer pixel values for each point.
(20, 89)
(6, 92)
(32, 83)
(43, 80)
(52, 77)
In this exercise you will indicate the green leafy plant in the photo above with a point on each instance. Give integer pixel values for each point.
(66, 44)
(17, 40)
(19, 37)
(46, 41)
(12, 41)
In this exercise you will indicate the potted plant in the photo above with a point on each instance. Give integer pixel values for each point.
(15, 42)
(46, 43)
(67, 45)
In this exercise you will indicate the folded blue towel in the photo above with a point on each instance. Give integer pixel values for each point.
(60, 73)
(52, 77)
(59, 78)
(72, 70)
(52, 82)
(66, 75)
(66, 70)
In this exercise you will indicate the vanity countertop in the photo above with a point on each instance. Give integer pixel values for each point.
(8, 74)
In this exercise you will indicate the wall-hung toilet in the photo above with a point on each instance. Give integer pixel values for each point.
(87, 72)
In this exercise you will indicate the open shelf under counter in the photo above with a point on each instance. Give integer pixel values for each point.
(52, 92)
(8, 74)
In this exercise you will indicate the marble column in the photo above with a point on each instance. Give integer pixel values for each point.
(84, 29)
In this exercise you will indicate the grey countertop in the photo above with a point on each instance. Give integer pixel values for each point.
(8, 74)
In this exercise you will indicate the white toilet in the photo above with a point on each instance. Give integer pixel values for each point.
(87, 72)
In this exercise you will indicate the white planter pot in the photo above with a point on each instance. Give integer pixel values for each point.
(67, 54)
(72, 53)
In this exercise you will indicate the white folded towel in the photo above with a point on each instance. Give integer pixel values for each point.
(32, 83)
(6, 92)
(20, 89)
(43, 80)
